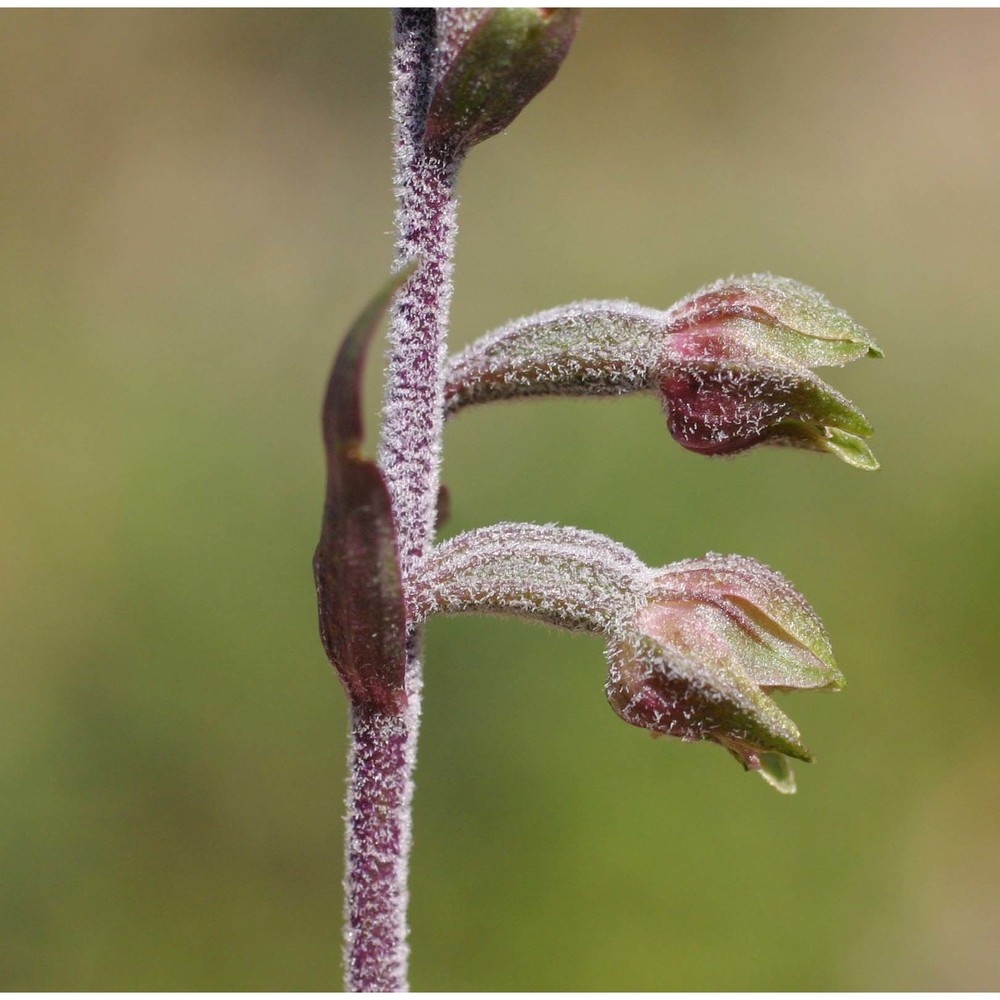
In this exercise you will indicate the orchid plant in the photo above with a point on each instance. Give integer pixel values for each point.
(695, 648)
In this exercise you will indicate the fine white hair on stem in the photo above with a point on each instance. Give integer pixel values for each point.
(382, 752)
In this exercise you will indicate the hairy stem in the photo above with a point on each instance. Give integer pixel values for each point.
(383, 748)
(378, 843)
(410, 453)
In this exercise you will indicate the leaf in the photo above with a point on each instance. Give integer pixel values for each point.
(359, 590)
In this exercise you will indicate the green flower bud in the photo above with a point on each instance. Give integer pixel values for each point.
(491, 62)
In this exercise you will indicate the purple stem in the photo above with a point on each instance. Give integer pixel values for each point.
(378, 845)
(410, 453)
(382, 751)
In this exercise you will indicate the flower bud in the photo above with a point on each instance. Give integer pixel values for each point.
(701, 656)
(490, 63)
(734, 370)
(730, 363)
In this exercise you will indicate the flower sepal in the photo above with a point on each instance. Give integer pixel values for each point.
(782, 318)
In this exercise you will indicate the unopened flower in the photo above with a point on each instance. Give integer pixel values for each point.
(701, 656)
(734, 370)
(490, 62)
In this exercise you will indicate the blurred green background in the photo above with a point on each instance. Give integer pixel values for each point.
(194, 207)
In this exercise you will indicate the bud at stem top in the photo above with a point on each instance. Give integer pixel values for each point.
(490, 63)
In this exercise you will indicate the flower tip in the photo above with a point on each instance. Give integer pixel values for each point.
(774, 768)
(863, 342)
(848, 447)
(851, 449)
(836, 682)
(777, 772)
